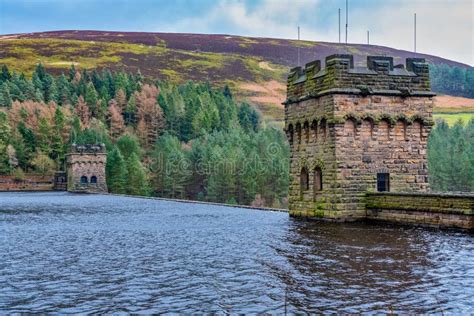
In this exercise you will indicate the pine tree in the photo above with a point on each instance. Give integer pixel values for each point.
(149, 114)
(117, 125)
(82, 111)
(116, 172)
(128, 145)
(137, 180)
(121, 99)
(5, 132)
(44, 136)
(57, 140)
(170, 167)
(5, 75)
(72, 72)
(5, 98)
(91, 99)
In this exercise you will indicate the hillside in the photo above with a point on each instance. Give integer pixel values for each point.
(255, 68)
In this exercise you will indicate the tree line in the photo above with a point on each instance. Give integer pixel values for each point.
(183, 141)
(451, 157)
(452, 80)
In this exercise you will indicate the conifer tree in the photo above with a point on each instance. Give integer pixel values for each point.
(5, 74)
(137, 179)
(116, 172)
(5, 98)
(116, 121)
(5, 133)
(82, 111)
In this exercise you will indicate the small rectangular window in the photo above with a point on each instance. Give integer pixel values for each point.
(383, 182)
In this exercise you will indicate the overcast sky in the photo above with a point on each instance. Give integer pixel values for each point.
(445, 27)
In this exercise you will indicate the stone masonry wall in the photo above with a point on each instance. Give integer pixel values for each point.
(86, 162)
(351, 123)
(436, 210)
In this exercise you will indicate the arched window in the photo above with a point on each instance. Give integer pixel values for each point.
(298, 132)
(384, 130)
(306, 131)
(93, 179)
(417, 129)
(318, 180)
(367, 130)
(304, 180)
(84, 179)
(350, 128)
(290, 134)
(323, 129)
(314, 128)
(401, 130)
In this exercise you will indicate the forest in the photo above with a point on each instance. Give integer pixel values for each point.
(452, 80)
(189, 141)
(181, 141)
(451, 157)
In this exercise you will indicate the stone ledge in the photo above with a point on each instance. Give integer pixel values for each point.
(360, 91)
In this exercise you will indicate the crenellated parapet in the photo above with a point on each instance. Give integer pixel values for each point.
(340, 76)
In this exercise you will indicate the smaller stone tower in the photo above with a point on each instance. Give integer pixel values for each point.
(86, 168)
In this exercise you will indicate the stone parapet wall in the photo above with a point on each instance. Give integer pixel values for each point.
(425, 209)
(31, 182)
(379, 77)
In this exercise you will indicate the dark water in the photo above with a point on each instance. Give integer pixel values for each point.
(89, 253)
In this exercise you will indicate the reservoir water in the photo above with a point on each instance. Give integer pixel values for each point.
(70, 253)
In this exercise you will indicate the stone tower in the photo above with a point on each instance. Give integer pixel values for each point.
(354, 130)
(86, 168)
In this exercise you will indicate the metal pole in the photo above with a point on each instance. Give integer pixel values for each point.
(298, 46)
(347, 17)
(339, 13)
(368, 38)
(415, 31)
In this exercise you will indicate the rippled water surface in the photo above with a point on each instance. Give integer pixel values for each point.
(91, 253)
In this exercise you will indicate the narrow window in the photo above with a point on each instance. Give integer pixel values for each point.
(349, 128)
(314, 127)
(318, 180)
(323, 129)
(384, 130)
(304, 180)
(298, 132)
(417, 129)
(290, 135)
(383, 182)
(83, 179)
(367, 131)
(401, 130)
(306, 131)
(93, 179)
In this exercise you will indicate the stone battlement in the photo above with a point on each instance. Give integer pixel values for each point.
(379, 77)
(88, 149)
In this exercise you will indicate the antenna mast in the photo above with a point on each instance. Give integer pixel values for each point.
(347, 17)
(298, 46)
(368, 38)
(339, 14)
(415, 31)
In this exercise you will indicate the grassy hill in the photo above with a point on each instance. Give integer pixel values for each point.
(255, 68)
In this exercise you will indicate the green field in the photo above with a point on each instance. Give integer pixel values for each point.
(452, 118)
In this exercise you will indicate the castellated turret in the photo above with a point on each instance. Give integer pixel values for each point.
(354, 130)
(86, 168)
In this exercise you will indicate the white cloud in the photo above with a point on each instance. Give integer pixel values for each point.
(445, 27)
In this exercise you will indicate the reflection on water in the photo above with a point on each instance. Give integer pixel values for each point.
(92, 253)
